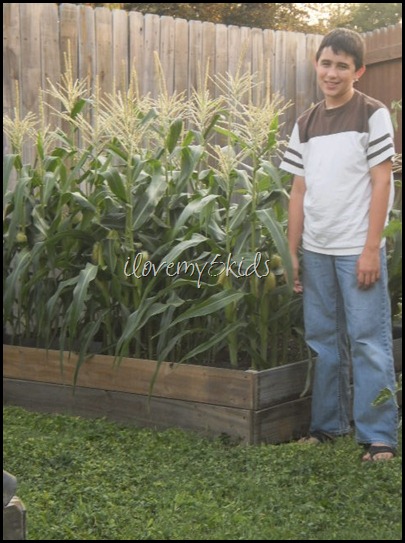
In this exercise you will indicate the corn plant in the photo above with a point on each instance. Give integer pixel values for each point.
(156, 229)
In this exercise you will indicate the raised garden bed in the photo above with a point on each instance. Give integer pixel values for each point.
(250, 406)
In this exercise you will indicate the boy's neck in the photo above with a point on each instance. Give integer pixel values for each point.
(331, 103)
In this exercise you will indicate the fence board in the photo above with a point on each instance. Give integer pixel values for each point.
(383, 77)
(246, 49)
(30, 58)
(258, 65)
(87, 45)
(221, 51)
(167, 45)
(181, 47)
(104, 53)
(120, 49)
(69, 33)
(194, 63)
(269, 54)
(208, 56)
(234, 49)
(50, 59)
(151, 44)
(11, 55)
(136, 47)
(37, 36)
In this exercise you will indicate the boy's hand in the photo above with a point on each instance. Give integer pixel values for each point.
(297, 287)
(368, 268)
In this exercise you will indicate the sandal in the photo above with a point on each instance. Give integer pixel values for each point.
(373, 450)
(317, 436)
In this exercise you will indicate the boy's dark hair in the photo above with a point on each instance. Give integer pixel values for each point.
(346, 41)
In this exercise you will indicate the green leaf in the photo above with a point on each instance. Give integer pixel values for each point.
(79, 295)
(174, 133)
(20, 266)
(8, 164)
(146, 204)
(116, 183)
(218, 338)
(82, 201)
(213, 304)
(50, 181)
(267, 218)
(79, 105)
(193, 208)
(190, 157)
(172, 255)
(88, 334)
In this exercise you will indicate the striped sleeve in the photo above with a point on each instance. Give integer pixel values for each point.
(381, 140)
(292, 160)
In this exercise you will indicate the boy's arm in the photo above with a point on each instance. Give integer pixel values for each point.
(296, 225)
(368, 265)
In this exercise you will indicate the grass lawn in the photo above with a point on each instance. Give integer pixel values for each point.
(95, 480)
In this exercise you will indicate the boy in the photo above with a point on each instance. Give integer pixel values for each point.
(340, 154)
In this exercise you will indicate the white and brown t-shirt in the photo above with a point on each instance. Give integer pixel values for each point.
(334, 149)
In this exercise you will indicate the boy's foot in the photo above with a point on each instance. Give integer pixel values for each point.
(377, 452)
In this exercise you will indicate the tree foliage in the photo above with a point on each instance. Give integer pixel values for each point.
(366, 17)
(308, 17)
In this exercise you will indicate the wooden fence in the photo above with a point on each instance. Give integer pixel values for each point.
(383, 76)
(108, 44)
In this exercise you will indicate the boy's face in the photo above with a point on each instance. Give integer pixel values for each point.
(336, 75)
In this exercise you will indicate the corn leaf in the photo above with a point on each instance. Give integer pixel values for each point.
(269, 221)
(116, 184)
(194, 207)
(182, 246)
(173, 135)
(215, 340)
(80, 294)
(213, 304)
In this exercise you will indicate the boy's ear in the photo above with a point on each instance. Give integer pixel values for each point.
(360, 72)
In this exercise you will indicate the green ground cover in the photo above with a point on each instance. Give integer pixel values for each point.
(95, 480)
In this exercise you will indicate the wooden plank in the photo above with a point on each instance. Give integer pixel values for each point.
(202, 384)
(208, 56)
(151, 47)
(234, 49)
(136, 49)
(258, 66)
(313, 42)
(69, 37)
(11, 65)
(269, 54)
(104, 62)
(282, 423)
(290, 74)
(139, 410)
(181, 52)
(30, 25)
(245, 50)
(50, 58)
(280, 384)
(303, 80)
(166, 48)
(194, 54)
(87, 45)
(384, 54)
(120, 46)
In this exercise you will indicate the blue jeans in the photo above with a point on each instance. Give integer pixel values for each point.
(343, 325)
